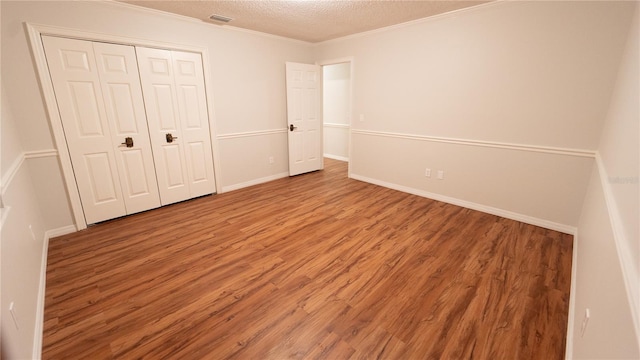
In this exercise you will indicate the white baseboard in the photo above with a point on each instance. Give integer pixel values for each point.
(471, 205)
(37, 336)
(50, 234)
(254, 182)
(568, 352)
(336, 157)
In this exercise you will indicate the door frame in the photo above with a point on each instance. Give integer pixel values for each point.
(35, 31)
(350, 60)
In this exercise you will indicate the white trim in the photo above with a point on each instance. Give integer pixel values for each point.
(156, 12)
(629, 273)
(336, 157)
(35, 31)
(427, 19)
(40, 153)
(480, 143)
(567, 229)
(50, 234)
(251, 133)
(12, 171)
(337, 126)
(568, 351)
(254, 182)
(37, 336)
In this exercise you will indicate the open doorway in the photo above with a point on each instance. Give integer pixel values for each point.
(337, 108)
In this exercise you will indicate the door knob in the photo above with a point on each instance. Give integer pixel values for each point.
(291, 127)
(128, 141)
(170, 138)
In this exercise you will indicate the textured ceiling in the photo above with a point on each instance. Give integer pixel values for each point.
(309, 20)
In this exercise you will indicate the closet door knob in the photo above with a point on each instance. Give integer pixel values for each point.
(170, 138)
(128, 141)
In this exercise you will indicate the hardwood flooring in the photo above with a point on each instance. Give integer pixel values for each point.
(316, 266)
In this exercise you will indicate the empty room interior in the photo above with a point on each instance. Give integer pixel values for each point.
(320, 179)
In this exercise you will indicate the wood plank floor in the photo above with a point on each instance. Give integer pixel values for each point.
(316, 266)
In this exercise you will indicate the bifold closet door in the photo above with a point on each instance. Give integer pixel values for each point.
(174, 94)
(100, 103)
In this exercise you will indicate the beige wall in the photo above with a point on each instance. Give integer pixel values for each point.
(533, 74)
(607, 276)
(600, 287)
(619, 149)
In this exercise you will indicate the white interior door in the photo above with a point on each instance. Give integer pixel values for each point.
(173, 89)
(304, 104)
(120, 81)
(194, 121)
(76, 83)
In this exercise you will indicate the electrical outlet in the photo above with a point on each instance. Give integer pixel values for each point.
(427, 172)
(271, 161)
(33, 235)
(14, 315)
(585, 321)
(440, 174)
(361, 117)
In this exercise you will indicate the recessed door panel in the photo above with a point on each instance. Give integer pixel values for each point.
(190, 112)
(159, 66)
(84, 103)
(312, 145)
(198, 161)
(74, 60)
(164, 100)
(172, 155)
(311, 104)
(137, 179)
(114, 63)
(101, 177)
(187, 67)
(122, 108)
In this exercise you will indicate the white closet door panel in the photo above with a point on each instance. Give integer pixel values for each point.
(172, 155)
(198, 161)
(137, 178)
(163, 98)
(72, 67)
(118, 71)
(101, 179)
(160, 97)
(194, 120)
